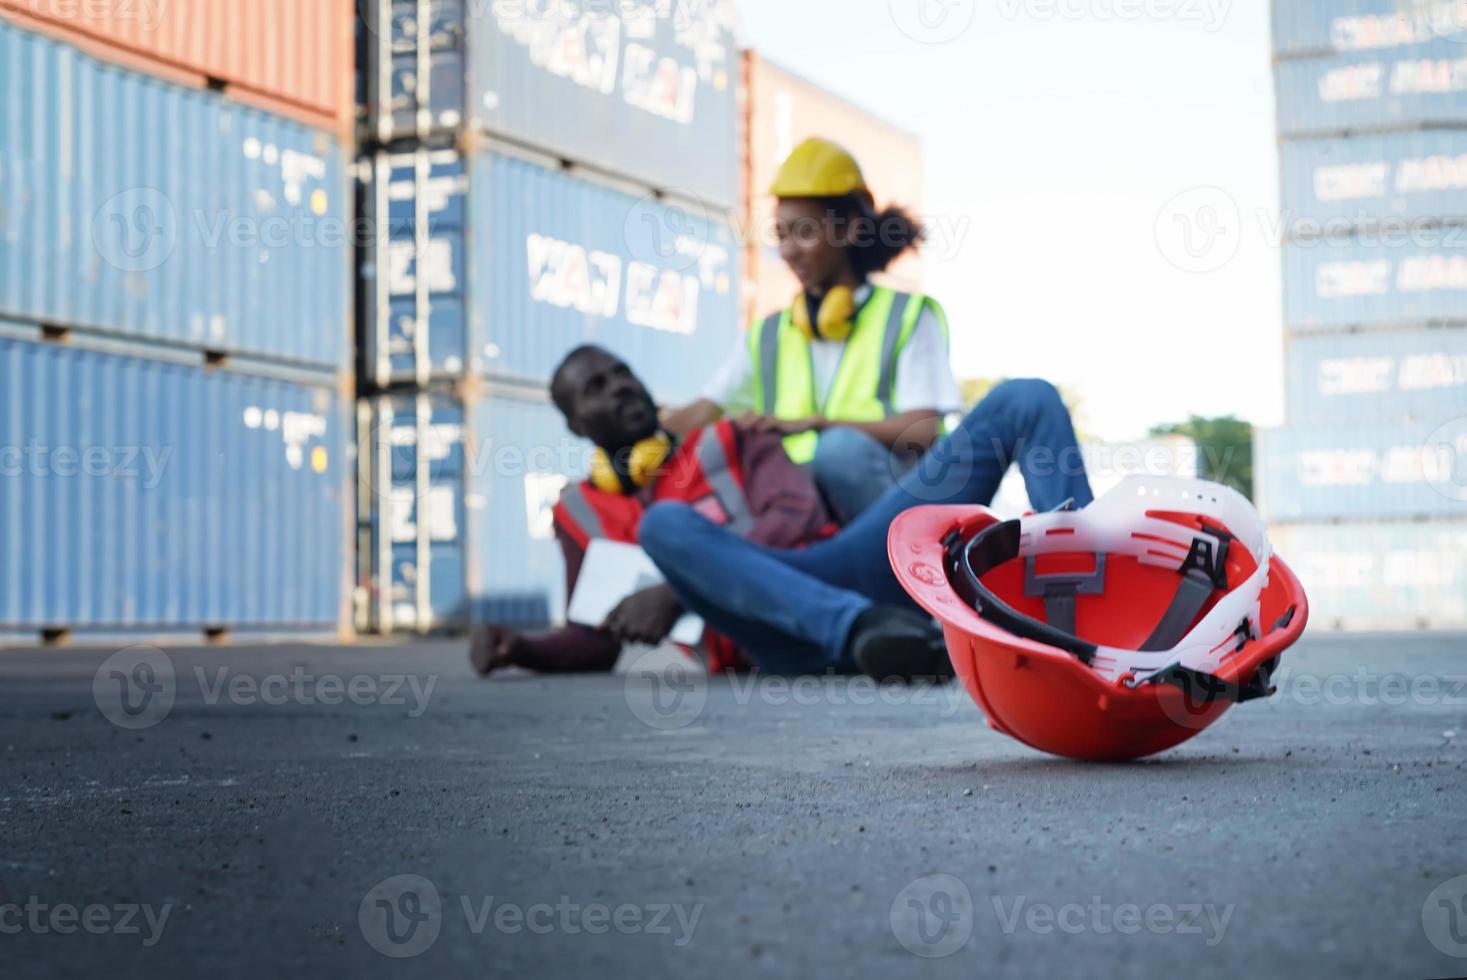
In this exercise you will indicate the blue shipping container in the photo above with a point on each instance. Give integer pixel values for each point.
(1380, 575)
(1394, 375)
(1334, 185)
(135, 207)
(1396, 277)
(1412, 88)
(1322, 27)
(1363, 471)
(465, 492)
(510, 265)
(140, 494)
(646, 89)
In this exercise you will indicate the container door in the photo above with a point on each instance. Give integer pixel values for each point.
(415, 328)
(415, 578)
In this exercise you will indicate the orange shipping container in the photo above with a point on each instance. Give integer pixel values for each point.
(293, 57)
(782, 109)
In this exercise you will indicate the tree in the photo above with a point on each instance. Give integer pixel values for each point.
(1225, 446)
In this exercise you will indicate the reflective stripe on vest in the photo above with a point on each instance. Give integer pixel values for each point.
(864, 386)
(579, 509)
(713, 459)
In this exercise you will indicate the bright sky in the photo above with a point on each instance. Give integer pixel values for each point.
(1062, 132)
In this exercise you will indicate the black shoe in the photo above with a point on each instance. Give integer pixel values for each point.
(897, 644)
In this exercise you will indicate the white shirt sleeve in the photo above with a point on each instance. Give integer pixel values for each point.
(732, 386)
(924, 370)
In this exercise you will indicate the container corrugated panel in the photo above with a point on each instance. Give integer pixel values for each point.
(1395, 375)
(1411, 88)
(148, 495)
(1363, 471)
(1333, 185)
(522, 263)
(1316, 27)
(1381, 575)
(1399, 277)
(647, 89)
(295, 56)
(140, 208)
(472, 506)
(781, 111)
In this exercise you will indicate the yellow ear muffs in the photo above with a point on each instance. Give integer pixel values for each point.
(645, 461)
(834, 321)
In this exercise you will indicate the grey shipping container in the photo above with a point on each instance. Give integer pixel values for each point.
(1330, 186)
(1397, 277)
(1304, 28)
(498, 266)
(647, 89)
(1380, 575)
(455, 502)
(139, 208)
(154, 495)
(1408, 88)
(1380, 376)
(1362, 472)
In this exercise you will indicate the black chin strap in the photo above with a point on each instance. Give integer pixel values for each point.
(991, 547)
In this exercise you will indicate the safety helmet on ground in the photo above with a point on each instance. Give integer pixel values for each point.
(1112, 632)
(819, 168)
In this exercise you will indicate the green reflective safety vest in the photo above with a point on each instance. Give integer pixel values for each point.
(864, 388)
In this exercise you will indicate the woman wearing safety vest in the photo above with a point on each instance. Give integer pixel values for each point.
(855, 376)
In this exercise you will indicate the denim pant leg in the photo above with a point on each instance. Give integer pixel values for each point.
(853, 470)
(1020, 421)
(786, 621)
(786, 604)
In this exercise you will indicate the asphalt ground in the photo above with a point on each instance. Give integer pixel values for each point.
(378, 811)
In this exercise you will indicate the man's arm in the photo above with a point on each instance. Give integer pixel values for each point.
(570, 649)
(788, 511)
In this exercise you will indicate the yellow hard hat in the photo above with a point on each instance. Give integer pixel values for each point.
(819, 168)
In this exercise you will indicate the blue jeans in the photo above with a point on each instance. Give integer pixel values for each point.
(853, 470)
(792, 610)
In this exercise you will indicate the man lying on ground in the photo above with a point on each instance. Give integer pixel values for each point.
(837, 603)
(736, 479)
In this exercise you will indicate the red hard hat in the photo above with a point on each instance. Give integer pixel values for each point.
(1112, 632)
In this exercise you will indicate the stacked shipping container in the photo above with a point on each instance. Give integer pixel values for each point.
(1367, 482)
(174, 281)
(540, 176)
(781, 111)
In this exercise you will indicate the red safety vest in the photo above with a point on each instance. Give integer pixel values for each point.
(705, 473)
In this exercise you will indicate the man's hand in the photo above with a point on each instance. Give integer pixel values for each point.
(645, 617)
(493, 648)
(783, 427)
